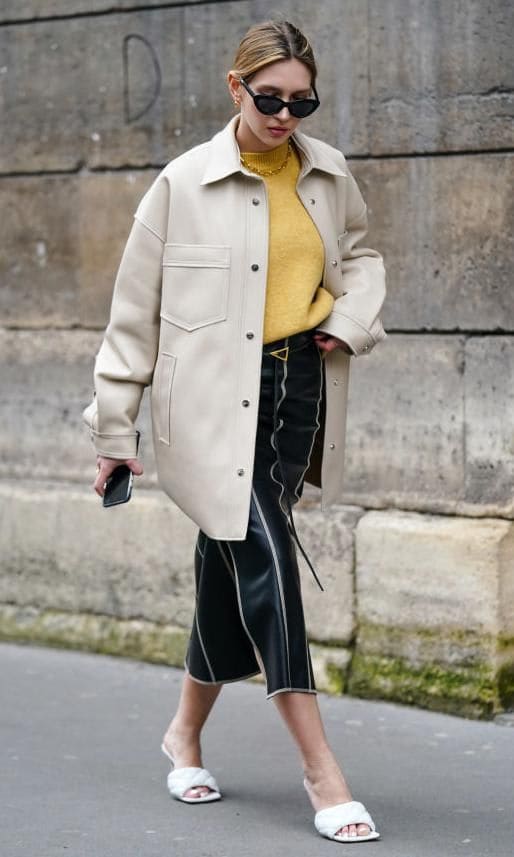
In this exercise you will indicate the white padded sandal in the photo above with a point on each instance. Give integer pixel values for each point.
(180, 780)
(328, 821)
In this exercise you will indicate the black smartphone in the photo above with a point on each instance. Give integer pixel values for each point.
(118, 486)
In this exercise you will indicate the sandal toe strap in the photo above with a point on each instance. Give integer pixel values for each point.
(182, 779)
(329, 821)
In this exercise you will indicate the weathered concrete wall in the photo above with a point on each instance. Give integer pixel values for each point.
(95, 98)
(431, 620)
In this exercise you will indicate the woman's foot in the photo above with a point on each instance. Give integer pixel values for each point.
(326, 787)
(185, 749)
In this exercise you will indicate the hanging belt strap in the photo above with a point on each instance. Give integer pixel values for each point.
(279, 459)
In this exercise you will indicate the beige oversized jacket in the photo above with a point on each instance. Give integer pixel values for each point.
(187, 318)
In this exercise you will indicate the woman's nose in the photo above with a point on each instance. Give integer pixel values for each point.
(283, 114)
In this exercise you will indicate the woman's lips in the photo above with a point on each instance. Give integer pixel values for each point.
(278, 131)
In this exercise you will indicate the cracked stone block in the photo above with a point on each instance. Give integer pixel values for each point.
(489, 386)
(451, 86)
(444, 227)
(328, 539)
(435, 603)
(139, 88)
(404, 437)
(133, 561)
(29, 9)
(47, 380)
(62, 259)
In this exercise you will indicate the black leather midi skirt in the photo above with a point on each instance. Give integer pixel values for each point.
(249, 615)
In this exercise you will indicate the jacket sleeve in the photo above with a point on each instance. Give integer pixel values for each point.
(355, 314)
(125, 362)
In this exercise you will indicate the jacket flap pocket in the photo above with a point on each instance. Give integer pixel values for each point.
(195, 284)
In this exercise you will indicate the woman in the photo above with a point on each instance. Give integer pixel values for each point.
(240, 296)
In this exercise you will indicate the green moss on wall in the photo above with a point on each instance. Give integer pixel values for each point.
(134, 638)
(506, 685)
(335, 678)
(468, 692)
(454, 671)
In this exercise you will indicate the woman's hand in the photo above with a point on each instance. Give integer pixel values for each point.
(105, 466)
(328, 343)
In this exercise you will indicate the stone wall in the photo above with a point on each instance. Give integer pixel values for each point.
(418, 560)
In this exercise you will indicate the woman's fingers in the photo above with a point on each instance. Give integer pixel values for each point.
(105, 466)
(328, 343)
(134, 465)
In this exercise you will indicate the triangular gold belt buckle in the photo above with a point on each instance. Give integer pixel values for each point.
(279, 353)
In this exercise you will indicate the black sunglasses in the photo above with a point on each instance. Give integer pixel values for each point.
(272, 104)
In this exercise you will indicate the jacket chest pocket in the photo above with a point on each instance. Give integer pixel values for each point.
(195, 284)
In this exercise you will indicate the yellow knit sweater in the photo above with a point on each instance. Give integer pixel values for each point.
(295, 300)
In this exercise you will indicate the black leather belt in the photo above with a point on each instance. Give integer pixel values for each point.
(280, 348)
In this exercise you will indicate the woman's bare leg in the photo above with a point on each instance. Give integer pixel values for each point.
(182, 737)
(326, 783)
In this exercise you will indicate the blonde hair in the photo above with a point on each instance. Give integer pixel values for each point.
(269, 42)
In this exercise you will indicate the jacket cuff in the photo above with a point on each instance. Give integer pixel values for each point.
(115, 445)
(359, 338)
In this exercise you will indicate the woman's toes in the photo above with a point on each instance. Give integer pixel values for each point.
(354, 830)
(197, 791)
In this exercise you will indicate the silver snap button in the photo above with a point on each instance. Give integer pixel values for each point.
(334, 263)
(240, 472)
(255, 267)
(366, 348)
(335, 382)
(245, 403)
(255, 201)
(250, 334)
(312, 201)
(332, 445)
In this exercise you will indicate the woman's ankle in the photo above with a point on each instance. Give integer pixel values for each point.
(319, 762)
(183, 732)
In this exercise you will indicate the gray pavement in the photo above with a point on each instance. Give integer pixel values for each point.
(83, 773)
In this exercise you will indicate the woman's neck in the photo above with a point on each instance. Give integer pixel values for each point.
(248, 142)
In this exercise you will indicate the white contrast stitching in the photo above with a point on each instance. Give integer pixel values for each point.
(209, 667)
(293, 689)
(222, 680)
(279, 580)
(203, 648)
(317, 427)
(239, 604)
(273, 435)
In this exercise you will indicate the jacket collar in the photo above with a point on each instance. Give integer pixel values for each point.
(223, 155)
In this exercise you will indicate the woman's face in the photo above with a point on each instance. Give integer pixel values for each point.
(289, 79)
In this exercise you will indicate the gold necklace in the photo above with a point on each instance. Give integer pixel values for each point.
(268, 172)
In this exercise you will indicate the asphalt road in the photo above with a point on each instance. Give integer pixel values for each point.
(83, 774)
